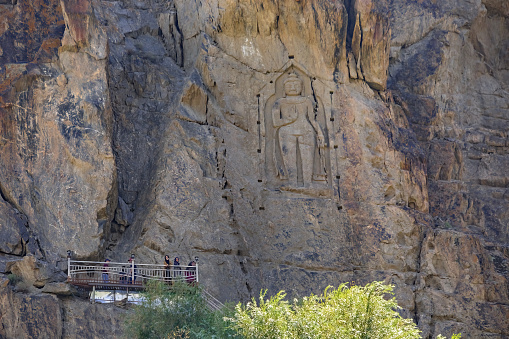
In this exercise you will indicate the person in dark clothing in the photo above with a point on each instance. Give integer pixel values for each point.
(167, 267)
(131, 273)
(191, 273)
(106, 271)
(176, 267)
(123, 275)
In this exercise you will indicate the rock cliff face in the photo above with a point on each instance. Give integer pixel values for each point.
(58, 169)
(289, 144)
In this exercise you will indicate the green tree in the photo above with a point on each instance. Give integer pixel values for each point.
(346, 312)
(355, 312)
(179, 312)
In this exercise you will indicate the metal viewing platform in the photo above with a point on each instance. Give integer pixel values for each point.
(126, 277)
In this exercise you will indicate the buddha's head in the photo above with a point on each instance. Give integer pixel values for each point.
(292, 85)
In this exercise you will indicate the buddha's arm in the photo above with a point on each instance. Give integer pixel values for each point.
(276, 115)
(311, 117)
(278, 119)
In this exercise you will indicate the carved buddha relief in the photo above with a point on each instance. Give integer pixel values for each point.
(295, 135)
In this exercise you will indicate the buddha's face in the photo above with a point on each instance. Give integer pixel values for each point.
(293, 88)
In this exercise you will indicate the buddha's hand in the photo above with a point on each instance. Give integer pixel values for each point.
(321, 140)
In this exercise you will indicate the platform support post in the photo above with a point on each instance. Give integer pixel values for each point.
(196, 261)
(68, 265)
(132, 268)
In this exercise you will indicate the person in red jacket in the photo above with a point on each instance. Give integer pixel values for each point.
(191, 272)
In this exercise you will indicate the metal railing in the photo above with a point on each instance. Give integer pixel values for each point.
(99, 275)
(116, 274)
(212, 303)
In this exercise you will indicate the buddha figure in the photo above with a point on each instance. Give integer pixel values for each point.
(297, 135)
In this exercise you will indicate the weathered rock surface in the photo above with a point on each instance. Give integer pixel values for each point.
(32, 271)
(447, 68)
(290, 144)
(43, 315)
(57, 163)
(84, 320)
(58, 288)
(29, 316)
(13, 230)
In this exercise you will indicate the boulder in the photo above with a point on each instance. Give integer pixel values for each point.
(58, 288)
(31, 270)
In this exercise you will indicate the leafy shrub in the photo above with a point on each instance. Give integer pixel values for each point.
(356, 312)
(346, 312)
(454, 336)
(179, 312)
(14, 279)
(178, 334)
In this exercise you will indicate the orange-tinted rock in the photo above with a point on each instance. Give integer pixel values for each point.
(369, 37)
(77, 14)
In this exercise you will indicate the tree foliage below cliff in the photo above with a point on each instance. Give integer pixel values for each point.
(355, 312)
(179, 312)
(346, 312)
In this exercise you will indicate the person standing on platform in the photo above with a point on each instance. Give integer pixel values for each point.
(176, 267)
(191, 273)
(106, 271)
(167, 267)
